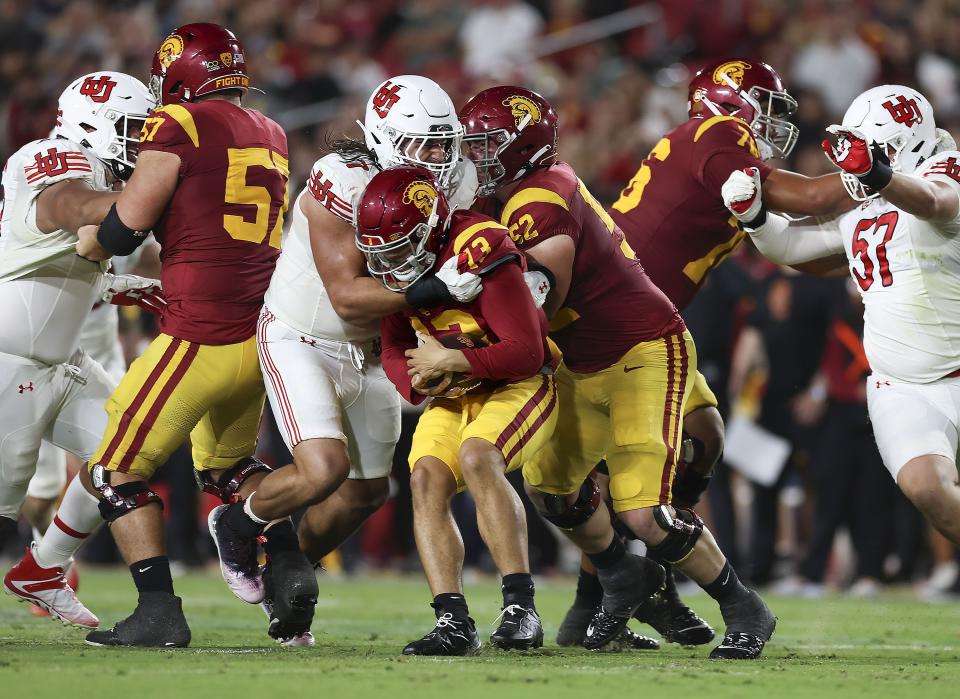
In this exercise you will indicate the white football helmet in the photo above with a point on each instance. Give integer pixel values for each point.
(104, 113)
(901, 122)
(407, 118)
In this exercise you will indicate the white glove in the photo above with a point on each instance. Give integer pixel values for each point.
(742, 194)
(539, 286)
(131, 290)
(463, 287)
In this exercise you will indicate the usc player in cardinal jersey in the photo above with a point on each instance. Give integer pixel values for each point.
(628, 367)
(214, 190)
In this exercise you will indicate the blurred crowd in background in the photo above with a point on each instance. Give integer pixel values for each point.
(780, 348)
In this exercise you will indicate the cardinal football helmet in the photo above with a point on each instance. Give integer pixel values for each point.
(195, 60)
(510, 131)
(410, 120)
(104, 112)
(752, 91)
(401, 225)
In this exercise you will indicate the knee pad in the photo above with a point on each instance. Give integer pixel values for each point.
(119, 500)
(565, 515)
(226, 487)
(683, 529)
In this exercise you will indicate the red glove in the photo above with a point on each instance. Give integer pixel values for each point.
(131, 290)
(854, 154)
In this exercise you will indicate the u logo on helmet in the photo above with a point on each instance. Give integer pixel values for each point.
(170, 50)
(422, 195)
(226, 58)
(520, 107)
(732, 69)
(904, 111)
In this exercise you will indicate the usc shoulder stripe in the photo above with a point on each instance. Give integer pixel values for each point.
(531, 195)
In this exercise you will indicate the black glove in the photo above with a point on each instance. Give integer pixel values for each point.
(428, 291)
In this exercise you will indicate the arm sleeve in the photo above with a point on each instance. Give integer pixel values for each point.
(789, 244)
(396, 337)
(506, 305)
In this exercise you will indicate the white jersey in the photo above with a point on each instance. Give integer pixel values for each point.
(908, 272)
(46, 290)
(296, 295)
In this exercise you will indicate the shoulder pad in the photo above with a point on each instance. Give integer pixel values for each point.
(945, 164)
(726, 132)
(52, 160)
(478, 241)
(535, 213)
(338, 185)
(169, 126)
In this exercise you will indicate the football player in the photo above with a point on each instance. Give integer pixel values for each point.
(672, 214)
(338, 413)
(214, 191)
(52, 389)
(629, 363)
(464, 440)
(902, 246)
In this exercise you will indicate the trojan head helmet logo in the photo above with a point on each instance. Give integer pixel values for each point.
(226, 58)
(733, 70)
(520, 107)
(422, 195)
(170, 50)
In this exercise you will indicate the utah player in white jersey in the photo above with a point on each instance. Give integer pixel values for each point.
(902, 247)
(50, 388)
(317, 335)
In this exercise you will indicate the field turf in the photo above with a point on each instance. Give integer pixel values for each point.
(836, 647)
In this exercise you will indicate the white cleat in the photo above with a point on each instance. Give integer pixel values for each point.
(47, 588)
(301, 640)
(238, 559)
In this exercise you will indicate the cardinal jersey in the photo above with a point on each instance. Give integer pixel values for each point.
(612, 305)
(220, 235)
(908, 272)
(46, 291)
(513, 328)
(296, 295)
(672, 212)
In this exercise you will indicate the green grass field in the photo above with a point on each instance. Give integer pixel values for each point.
(839, 647)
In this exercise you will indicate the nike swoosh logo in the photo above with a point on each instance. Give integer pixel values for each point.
(144, 570)
(628, 369)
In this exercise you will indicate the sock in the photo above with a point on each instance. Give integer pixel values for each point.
(589, 590)
(77, 518)
(8, 529)
(609, 557)
(281, 537)
(152, 575)
(518, 589)
(726, 587)
(454, 603)
(241, 519)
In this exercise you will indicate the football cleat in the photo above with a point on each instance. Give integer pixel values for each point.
(750, 624)
(625, 587)
(238, 559)
(574, 625)
(48, 589)
(520, 629)
(451, 636)
(627, 641)
(673, 619)
(157, 622)
(290, 597)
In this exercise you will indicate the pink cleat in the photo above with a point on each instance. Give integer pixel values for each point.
(48, 589)
(238, 559)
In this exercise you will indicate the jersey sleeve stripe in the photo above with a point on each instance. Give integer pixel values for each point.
(183, 117)
(531, 195)
(713, 121)
(31, 179)
(470, 231)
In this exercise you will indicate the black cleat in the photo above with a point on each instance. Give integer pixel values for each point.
(238, 558)
(750, 624)
(450, 636)
(520, 629)
(290, 594)
(277, 629)
(627, 640)
(625, 587)
(574, 625)
(673, 619)
(157, 622)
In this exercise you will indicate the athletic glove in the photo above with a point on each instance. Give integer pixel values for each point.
(131, 290)
(448, 285)
(742, 195)
(867, 161)
(539, 280)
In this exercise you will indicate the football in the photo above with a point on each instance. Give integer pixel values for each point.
(460, 383)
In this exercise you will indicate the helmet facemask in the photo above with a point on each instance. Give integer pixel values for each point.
(484, 150)
(401, 262)
(772, 110)
(417, 149)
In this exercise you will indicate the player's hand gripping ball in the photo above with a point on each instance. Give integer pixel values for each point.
(450, 384)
